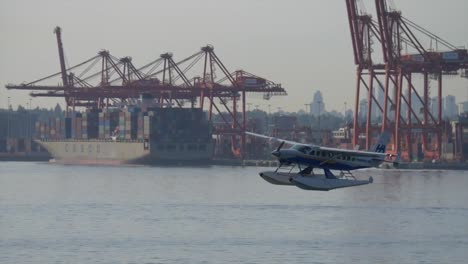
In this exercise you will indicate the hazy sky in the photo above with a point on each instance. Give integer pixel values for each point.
(304, 45)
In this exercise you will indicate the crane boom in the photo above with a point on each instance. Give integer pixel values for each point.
(63, 69)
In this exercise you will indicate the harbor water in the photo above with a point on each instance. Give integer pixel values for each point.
(53, 213)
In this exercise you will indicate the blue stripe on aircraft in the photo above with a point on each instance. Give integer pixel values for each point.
(331, 166)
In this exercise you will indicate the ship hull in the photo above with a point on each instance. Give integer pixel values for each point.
(116, 152)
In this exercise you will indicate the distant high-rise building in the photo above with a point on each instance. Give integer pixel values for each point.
(450, 107)
(463, 108)
(317, 107)
(376, 112)
(417, 105)
(362, 110)
(404, 110)
(433, 107)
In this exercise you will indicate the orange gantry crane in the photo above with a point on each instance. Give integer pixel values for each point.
(406, 103)
(118, 82)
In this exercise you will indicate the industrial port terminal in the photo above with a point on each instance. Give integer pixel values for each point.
(195, 109)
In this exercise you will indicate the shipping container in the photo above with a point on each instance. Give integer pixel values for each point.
(78, 129)
(450, 55)
(68, 127)
(417, 58)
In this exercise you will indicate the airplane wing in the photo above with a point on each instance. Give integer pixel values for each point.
(273, 138)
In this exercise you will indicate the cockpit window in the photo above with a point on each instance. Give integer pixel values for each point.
(302, 148)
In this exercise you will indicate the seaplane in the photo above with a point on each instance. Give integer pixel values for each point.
(297, 164)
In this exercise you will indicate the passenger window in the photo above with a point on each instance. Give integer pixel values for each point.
(318, 153)
(191, 147)
(324, 154)
(170, 147)
(312, 152)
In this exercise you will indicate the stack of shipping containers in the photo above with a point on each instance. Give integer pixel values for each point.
(101, 130)
(107, 131)
(131, 124)
(128, 125)
(17, 130)
(121, 130)
(84, 126)
(92, 123)
(189, 125)
(78, 129)
(51, 130)
(146, 126)
(68, 127)
(113, 123)
(140, 126)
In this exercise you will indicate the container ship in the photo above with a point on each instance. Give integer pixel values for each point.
(129, 136)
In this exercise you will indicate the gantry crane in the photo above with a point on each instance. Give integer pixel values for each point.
(403, 56)
(132, 83)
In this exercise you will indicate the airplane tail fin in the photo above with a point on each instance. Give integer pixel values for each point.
(381, 145)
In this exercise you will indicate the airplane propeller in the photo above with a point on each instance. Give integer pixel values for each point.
(276, 153)
(280, 146)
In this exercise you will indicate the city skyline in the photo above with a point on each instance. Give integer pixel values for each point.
(450, 107)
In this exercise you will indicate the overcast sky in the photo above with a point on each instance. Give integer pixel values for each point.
(304, 45)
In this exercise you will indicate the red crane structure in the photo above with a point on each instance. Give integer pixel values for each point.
(406, 107)
(164, 81)
(363, 33)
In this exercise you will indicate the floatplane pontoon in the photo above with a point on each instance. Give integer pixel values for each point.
(312, 181)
